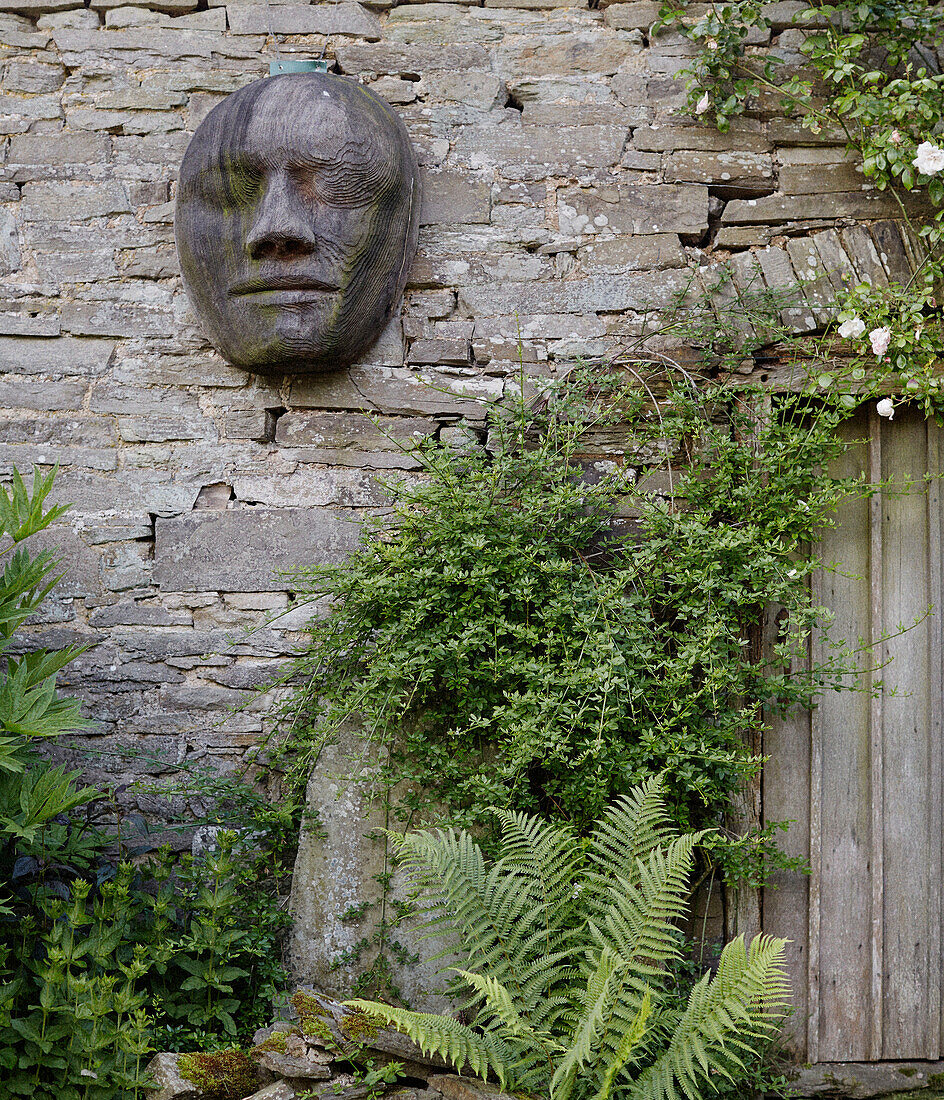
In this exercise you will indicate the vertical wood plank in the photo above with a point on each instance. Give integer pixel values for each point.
(906, 719)
(841, 892)
(936, 687)
(785, 903)
(876, 619)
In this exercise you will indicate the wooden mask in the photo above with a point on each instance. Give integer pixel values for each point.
(297, 216)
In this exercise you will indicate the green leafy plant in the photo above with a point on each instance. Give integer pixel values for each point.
(502, 646)
(564, 946)
(99, 959)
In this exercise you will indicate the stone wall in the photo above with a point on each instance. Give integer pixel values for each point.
(564, 202)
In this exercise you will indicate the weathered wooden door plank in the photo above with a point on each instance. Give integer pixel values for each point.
(906, 721)
(841, 974)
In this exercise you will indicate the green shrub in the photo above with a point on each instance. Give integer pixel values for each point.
(505, 641)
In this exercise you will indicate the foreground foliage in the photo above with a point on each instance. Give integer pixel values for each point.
(101, 960)
(563, 953)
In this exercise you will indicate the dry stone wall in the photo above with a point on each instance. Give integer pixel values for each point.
(565, 200)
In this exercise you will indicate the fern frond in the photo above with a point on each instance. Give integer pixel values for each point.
(743, 1001)
(637, 918)
(546, 855)
(458, 1044)
(632, 1037)
(603, 988)
(635, 825)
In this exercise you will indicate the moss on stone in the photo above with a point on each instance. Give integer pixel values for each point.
(312, 1018)
(276, 1043)
(222, 1075)
(360, 1025)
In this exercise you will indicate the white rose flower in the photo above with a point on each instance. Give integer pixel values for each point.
(886, 408)
(702, 105)
(854, 327)
(929, 159)
(881, 338)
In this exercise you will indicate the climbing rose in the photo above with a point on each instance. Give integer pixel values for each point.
(855, 326)
(881, 338)
(886, 408)
(702, 105)
(895, 137)
(930, 159)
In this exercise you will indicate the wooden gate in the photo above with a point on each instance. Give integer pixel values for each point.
(861, 776)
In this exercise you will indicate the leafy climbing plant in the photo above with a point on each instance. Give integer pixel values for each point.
(503, 640)
(563, 948)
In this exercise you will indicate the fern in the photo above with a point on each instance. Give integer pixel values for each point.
(565, 945)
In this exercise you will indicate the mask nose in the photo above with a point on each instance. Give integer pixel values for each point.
(282, 229)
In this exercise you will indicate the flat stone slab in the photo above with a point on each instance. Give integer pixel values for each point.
(244, 550)
(859, 1080)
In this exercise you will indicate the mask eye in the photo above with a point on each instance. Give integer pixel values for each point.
(338, 185)
(243, 184)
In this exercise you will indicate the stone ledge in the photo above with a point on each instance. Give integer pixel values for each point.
(859, 1080)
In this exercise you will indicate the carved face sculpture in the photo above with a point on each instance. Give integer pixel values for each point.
(297, 215)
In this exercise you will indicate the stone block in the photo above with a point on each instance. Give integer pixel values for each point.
(309, 487)
(24, 393)
(114, 319)
(73, 201)
(161, 429)
(638, 15)
(454, 197)
(860, 248)
(891, 250)
(37, 7)
(455, 352)
(24, 323)
(815, 178)
(817, 289)
(634, 208)
(655, 252)
(536, 113)
(352, 439)
(398, 391)
(454, 1087)
(704, 166)
(244, 549)
(61, 148)
(480, 90)
(572, 146)
(580, 51)
(247, 424)
(535, 5)
(747, 138)
(395, 59)
(394, 90)
(603, 293)
(349, 19)
(82, 18)
(9, 244)
(781, 208)
(138, 613)
(168, 1083)
(20, 113)
(336, 872)
(32, 77)
(171, 7)
(66, 355)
